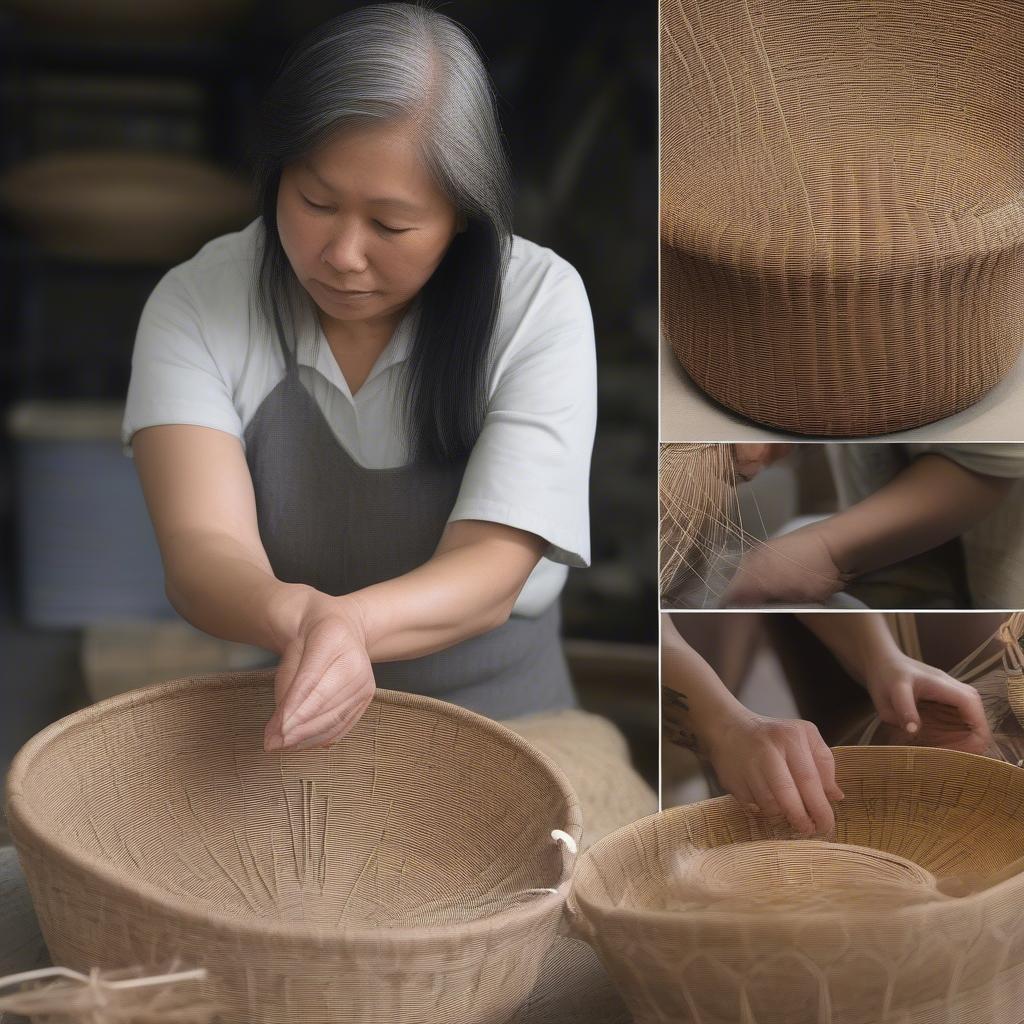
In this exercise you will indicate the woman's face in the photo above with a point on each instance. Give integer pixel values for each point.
(362, 222)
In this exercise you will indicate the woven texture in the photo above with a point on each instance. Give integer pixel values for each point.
(594, 756)
(398, 876)
(909, 914)
(842, 214)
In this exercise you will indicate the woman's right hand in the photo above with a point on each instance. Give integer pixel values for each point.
(778, 768)
(324, 682)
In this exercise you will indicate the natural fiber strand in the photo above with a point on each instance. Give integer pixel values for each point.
(61, 995)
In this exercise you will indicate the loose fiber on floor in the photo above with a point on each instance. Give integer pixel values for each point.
(842, 213)
(408, 873)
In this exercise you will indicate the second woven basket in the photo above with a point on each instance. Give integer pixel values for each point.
(842, 219)
(704, 914)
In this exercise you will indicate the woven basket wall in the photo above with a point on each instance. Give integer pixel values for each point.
(842, 220)
(395, 888)
(803, 932)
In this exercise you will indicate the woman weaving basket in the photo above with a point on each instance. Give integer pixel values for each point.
(363, 424)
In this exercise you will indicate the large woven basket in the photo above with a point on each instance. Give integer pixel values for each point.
(706, 914)
(842, 216)
(408, 873)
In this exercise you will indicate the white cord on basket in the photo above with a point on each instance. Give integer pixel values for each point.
(563, 837)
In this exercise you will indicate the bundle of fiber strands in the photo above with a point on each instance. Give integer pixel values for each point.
(842, 206)
(700, 528)
(63, 996)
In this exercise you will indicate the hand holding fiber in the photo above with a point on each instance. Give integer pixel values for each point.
(325, 680)
(797, 567)
(779, 768)
(928, 706)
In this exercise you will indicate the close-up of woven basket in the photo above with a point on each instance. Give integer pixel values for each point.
(406, 873)
(842, 214)
(910, 912)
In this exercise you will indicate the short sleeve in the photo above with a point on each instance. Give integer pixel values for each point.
(175, 377)
(530, 467)
(1000, 460)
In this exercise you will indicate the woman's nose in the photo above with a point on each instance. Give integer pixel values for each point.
(345, 252)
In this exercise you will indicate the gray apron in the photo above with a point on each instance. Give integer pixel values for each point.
(337, 526)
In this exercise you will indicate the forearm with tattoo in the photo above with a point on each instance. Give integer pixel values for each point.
(675, 719)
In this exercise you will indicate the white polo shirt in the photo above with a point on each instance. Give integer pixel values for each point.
(201, 358)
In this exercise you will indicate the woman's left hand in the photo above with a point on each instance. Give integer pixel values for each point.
(324, 682)
(928, 706)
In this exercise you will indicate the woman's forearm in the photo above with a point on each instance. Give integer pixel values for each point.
(694, 699)
(859, 642)
(223, 588)
(469, 587)
(220, 586)
(930, 502)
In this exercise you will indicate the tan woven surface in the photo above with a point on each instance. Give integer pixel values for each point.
(594, 756)
(388, 878)
(842, 221)
(788, 937)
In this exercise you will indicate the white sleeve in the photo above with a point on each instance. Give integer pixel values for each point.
(1000, 459)
(175, 377)
(530, 467)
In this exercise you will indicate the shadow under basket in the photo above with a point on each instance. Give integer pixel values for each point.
(842, 213)
(911, 912)
(407, 873)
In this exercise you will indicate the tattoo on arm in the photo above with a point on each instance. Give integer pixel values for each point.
(675, 720)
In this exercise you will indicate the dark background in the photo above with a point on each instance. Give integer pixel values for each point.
(577, 97)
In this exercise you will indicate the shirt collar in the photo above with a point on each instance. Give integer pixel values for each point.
(316, 353)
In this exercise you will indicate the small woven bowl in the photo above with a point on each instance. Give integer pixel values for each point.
(407, 873)
(842, 206)
(706, 913)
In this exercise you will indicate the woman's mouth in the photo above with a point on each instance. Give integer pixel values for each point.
(345, 293)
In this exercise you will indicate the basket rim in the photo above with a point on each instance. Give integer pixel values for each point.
(594, 911)
(24, 819)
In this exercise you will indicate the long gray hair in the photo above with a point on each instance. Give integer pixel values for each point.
(386, 62)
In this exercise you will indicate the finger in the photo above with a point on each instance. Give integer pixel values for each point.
(741, 794)
(318, 658)
(337, 720)
(282, 681)
(763, 800)
(787, 795)
(968, 702)
(804, 771)
(904, 705)
(825, 762)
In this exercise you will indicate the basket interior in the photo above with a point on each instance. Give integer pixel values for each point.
(937, 817)
(421, 816)
(875, 122)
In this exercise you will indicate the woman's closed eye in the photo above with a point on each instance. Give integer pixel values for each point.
(315, 206)
(388, 229)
